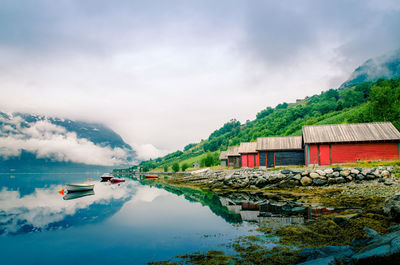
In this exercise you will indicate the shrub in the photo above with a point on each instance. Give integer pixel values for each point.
(175, 167)
(166, 168)
(185, 166)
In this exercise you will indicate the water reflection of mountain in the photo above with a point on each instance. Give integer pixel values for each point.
(206, 198)
(46, 210)
(239, 207)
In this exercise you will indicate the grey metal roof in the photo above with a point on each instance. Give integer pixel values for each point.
(248, 147)
(223, 155)
(279, 143)
(356, 132)
(233, 151)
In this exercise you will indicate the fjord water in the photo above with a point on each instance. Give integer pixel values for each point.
(127, 223)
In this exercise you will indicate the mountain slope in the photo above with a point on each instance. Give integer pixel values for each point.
(364, 102)
(33, 142)
(386, 66)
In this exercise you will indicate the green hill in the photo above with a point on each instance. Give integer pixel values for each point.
(362, 102)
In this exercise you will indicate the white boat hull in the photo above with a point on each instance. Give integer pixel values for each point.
(78, 187)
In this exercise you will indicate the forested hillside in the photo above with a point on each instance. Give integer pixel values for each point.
(363, 102)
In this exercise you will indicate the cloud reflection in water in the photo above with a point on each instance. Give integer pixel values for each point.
(45, 209)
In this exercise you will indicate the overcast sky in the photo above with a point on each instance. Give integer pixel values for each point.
(163, 73)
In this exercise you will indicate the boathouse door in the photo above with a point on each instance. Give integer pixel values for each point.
(270, 159)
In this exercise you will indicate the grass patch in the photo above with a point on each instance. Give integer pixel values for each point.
(394, 163)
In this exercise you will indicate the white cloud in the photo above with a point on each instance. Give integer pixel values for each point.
(170, 74)
(47, 140)
(147, 151)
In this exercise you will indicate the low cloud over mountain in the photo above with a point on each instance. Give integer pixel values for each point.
(61, 140)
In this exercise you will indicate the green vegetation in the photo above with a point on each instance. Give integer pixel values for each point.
(185, 166)
(363, 102)
(175, 167)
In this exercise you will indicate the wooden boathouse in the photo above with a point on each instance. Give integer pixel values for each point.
(280, 151)
(344, 143)
(249, 155)
(224, 159)
(233, 157)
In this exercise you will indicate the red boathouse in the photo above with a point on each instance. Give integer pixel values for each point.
(346, 143)
(249, 154)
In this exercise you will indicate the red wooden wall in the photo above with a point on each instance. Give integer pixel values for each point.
(313, 154)
(257, 160)
(325, 154)
(251, 160)
(244, 160)
(342, 153)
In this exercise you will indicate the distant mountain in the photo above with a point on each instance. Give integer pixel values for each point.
(386, 66)
(34, 143)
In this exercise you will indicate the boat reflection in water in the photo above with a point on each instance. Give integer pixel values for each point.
(78, 194)
(45, 210)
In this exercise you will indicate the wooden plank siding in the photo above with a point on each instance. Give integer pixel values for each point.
(346, 143)
(343, 153)
(234, 161)
(244, 160)
(326, 154)
(249, 160)
(224, 162)
(279, 143)
(248, 153)
(356, 132)
(288, 158)
(262, 158)
(280, 151)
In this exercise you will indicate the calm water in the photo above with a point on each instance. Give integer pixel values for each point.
(127, 223)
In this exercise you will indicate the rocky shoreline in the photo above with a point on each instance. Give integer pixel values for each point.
(262, 178)
(374, 191)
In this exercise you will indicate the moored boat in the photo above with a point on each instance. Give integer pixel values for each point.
(78, 194)
(78, 187)
(106, 176)
(151, 177)
(117, 180)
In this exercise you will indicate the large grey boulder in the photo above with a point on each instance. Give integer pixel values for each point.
(297, 177)
(385, 247)
(340, 180)
(392, 207)
(326, 255)
(306, 181)
(286, 171)
(319, 181)
(345, 173)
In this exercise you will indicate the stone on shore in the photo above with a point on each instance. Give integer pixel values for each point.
(380, 249)
(306, 181)
(392, 207)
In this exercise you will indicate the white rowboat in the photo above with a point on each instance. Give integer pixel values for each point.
(78, 194)
(78, 187)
